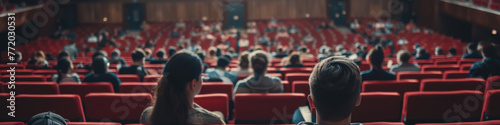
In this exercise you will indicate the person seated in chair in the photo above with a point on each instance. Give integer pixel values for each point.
(472, 52)
(490, 65)
(162, 59)
(138, 56)
(219, 72)
(422, 54)
(404, 63)
(375, 58)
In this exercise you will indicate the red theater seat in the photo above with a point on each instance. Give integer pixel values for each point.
(17, 72)
(93, 123)
(445, 62)
(493, 82)
(494, 122)
(286, 86)
(465, 67)
(45, 72)
(34, 88)
(270, 108)
(117, 107)
(491, 110)
(85, 88)
(68, 106)
(455, 74)
(440, 68)
(452, 84)
(137, 87)
(419, 75)
(297, 77)
(226, 88)
(284, 71)
(214, 102)
(152, 78)
(128, 78)
(301, 87)
(7, 67)
(12, 123)
(374, 103)
(24, 78)
(437, 107)
(469, 61)
(401, 86)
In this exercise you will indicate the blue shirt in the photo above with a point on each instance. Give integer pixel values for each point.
(106, 77)
(222, 75)
(377, 75)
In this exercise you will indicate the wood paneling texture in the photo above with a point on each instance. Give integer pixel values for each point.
(94, 12)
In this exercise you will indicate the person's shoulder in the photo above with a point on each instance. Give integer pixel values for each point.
(365, 72)
(145, 113)
(208, 116)
(274, 78)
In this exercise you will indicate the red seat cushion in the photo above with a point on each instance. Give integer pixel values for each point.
(68, 106)
(11, 123)
(93, 123)
(491, 110)
(214, 102)
(452, 84)
(226, 88)
(440, 68)
(117, 107)
(301, 87)
(137, 87)
(455, 74)
(297, 77)
(85, 88)
(128, 78)
(493, 82)
(373, 103)
(267, 108)
(32, 87)
(400, 86)
(24, 78)
(419, 75)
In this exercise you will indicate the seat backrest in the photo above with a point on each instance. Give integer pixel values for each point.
(373, 103)
(267, 108)
(152, 78)
(297, 77)
(12, 123)
(455, 74)
(17, 72)
(137, 87)
(419, 75)
(128, 77)
(452, 84)
(439, 107)
(93, 123)
(301, 87)
(69, 106)
(440, 67)
(286, 86)
(491, 110)
(85, 88)
(25, 78)
(465, 67)
(226, 88)
(493, 82)
(116, 107)
(400, 86)
(284, 71)
(33, 88)
(445, 62)
(45, 72)
(214, 102)
(8, 100)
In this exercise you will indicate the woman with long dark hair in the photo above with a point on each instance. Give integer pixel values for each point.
(65, 72)
(173, 104)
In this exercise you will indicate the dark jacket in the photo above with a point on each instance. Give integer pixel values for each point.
(473, 55)
(107, 77)
(489, 67)
(377, 75)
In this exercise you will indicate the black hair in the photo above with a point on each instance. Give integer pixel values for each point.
(138, 55)
(472, 46)
(100, 53)
(63, 65)
(171, 51)
(452, 51)
(223, 61)
(100, 65)
(335, 85)
(376, 56)
(404, 56)
(171, 104)
(201, 55)
(160, 54)
(115, 52)
(294, 59)
(489, 51)
(303, 49)
(439, 50)
(62, 54)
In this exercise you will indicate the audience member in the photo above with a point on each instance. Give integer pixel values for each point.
(375, 58)
(472, 52)
(46, 118)
(280, 53)
(205, 65)
(212, 54)
(173, 102)
(38, 60)
(404, 63)
(220, 73)
(116, 59)
(161, 58)
(71, 49)
(422, 54)
(259, 82)
(65, 72)
(138, 56)
(100, 73)
(438, 51)
(295, 61)
(490, 66)
(308, 38)
(244, 65)
(452, 52)
(304, 53)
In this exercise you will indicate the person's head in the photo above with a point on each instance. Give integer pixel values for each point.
(223, 62)
(100, 53)
(335, 85)
(471, 47)
(212, 51)
(259, 61)
(18, 56)
(64, 66)
(281, 50)
(148, 52)
(339, 48)
(421, 51)
(403, 56)
(438, 51)
(375, 57)
(201, 56)
(181, 81)
(452, 51)
(160, 54)
(303, 50)
(295, 59)
(171, 51)
(47, 118)
(416, 45)
(488, 50)
(100, 65)
(115, 53)
(244, 62)
(138, 56)
(39, 55)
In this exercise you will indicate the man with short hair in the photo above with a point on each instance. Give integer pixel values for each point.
(335, 85)
(404, 63)
(161, 58)
(375, 58)
(472, 52)
(137, 67)
(490, 65)
(422, 54)
(220, 73)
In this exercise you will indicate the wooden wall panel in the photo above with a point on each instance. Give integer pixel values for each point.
(283, 9)
(95, 12)
(369, 8)
(186, 10)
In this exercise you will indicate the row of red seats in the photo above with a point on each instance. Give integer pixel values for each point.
(415, 107)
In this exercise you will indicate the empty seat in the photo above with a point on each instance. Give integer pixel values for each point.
(452, 84)
(45, 72)
(24, 78)
(301, 87)
(419, 75)
(494, 122)
(128, 78)
(493, 82)
(440, 68)
(297, 77)
(85, 88)
(491, 110)
(137, 87)
(445, 62)
(68, 106)
(400, 86)
(152, 78)
(439, 107)
(11, 123)
(284, 71)
(116, 107)
(270, 108)
(286, 86)
(17, 72)
(374, 103)
(214, 102)
(93, 123)
(455, 74)
(33, 88)
(226, 88)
